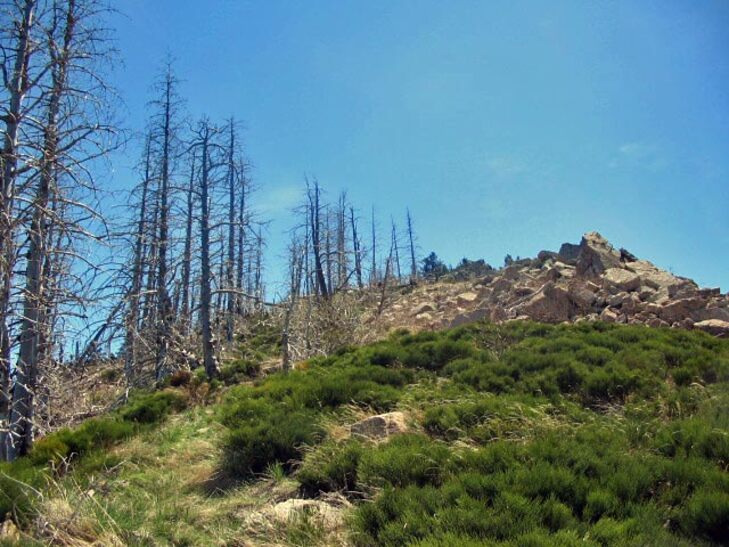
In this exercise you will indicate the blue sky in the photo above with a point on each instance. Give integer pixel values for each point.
(506, 127)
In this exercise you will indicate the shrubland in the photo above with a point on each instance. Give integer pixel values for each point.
(519, 434)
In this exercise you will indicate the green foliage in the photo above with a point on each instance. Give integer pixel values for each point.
(331, 467)
(83, 446)
(275, 437)
(239, 370)
(149, 408)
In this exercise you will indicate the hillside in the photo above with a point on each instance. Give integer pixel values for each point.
(514, 434)
(587, 281)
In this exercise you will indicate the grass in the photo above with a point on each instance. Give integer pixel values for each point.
(524, 434)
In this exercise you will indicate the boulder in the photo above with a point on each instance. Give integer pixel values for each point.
(568, 252)
(469, 317)
(500, 285)
(423, 308)
(624, 280)
(551, 305)
(596, 256)
(467, 298)
(9, 532)
(658, 279)
(711, 312)
(425, 317)
(380, 426)
(581, 295)
(324, 514)
(609, 315)
(676, 310)
(716, 327)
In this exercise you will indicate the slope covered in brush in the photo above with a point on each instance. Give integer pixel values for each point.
(512, 434)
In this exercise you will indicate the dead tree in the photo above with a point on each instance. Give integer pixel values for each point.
(204, 140)
(413, 262)
(373, 271)
(132, 320)
(296, 260)
(185, 309)
(167, 134)
(314, 196)
(395, 246)
(68, 130)
(342, 263)
(357, 249)
(18, 48)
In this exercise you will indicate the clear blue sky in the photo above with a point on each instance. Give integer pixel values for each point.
(504, 126)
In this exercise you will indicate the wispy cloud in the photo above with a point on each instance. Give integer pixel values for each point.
(506, 167)
(639, 154)
(279, 200)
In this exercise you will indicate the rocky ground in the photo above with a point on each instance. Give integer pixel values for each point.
(591, 280)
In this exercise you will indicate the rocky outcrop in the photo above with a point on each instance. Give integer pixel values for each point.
(589, 281)
(380, 426)
(596, 255)
(714, 326)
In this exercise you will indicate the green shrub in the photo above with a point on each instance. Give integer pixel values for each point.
(404, 460)
(18, 482)
(239, 371)
(150, 408)
(331, 467)
(707, 515)
(110, 375)
(278, 437)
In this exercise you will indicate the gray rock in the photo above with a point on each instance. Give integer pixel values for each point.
(624, 280)
(714, 326)
(380, 426)
(596, 255)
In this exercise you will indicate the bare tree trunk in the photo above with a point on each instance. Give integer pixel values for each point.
(295, 267)
(342, 266)
(164, 304)
(229, 274)
(137, 272)
(187, 252)
(357, 249)
(328, 251)
(413, 262)
(373, 271)
(211, 367)
(241, 245)
(396, 250)
(315, 230)
(13, 117)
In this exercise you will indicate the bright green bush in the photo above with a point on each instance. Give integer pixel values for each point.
(277, 437)
(331, 467)
(152, 407)
(406, 459)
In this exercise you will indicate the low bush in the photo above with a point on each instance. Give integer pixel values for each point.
(180, 378)
(279, 436)
(152, 407)
(331, 467)
(239, 371)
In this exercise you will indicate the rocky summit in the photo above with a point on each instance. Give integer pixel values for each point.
(591, 280)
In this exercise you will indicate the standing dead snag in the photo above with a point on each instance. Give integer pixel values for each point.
(132, 319)
(413, 262)
(357, 248)
(314, 196)
(66, 130)
(296, 260)
(205, 134)
(164, 303)
(17, 81)
(185, 309)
